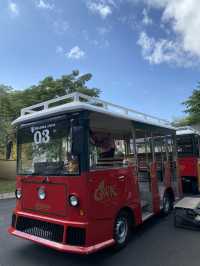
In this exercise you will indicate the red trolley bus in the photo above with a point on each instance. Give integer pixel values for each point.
(88, 171)
(188, 141)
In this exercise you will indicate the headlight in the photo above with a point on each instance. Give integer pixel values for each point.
(41, 194)
(73, 200)
(18, 193)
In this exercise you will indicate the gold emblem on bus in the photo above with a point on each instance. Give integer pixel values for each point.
(104, 192)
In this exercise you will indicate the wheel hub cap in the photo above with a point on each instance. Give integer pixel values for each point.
(121, 230)
(167, 204)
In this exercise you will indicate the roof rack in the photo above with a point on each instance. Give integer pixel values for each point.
(188, 129)
(82, 98)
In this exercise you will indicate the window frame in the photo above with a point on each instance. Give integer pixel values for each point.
(82, 119)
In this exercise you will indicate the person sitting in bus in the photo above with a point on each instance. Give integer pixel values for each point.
(105, 143)
(70, 164)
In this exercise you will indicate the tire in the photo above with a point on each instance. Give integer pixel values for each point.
(122, 230)
(167, 204)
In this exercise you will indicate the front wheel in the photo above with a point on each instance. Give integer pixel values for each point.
(167, 204)
(122, 229)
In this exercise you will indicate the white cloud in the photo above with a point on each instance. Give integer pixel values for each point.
(130, 20)
(150, 3)
(44, 4)
(157, 3)
(146, 19)
(182, 21)
(183, 16)
(164, 51)
(75, 53)
(101, 7)
(111, 2)
(13, 8)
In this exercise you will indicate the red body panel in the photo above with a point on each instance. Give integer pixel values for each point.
(154, 188)
(49, 205)
(61, 247)
(102, 194)
(58, 190)
(188, 166)
(179, 180)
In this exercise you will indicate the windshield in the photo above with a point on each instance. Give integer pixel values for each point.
(45, 149)
(185, 145)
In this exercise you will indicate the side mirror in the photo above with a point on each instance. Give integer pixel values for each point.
(77, 136)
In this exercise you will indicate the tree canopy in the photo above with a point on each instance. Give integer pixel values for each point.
(193, 106)
(192, 109)
(12, 101)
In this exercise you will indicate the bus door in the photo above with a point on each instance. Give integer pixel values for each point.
(167, 163)
(160, 158)
(154, 176)
(144, 177)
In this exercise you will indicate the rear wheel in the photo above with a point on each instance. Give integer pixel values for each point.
(122, 229)
(167, 203)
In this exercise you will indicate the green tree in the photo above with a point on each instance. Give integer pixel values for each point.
(192, 110)
(12, 101)
(5, 117)
(179, 122)
(50, 88)
(193, 106)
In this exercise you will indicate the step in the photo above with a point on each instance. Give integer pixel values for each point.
(146, 215)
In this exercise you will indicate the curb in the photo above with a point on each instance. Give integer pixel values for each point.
(10, 195)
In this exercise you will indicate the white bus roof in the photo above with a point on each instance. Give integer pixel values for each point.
(83, 102)
(186, 131)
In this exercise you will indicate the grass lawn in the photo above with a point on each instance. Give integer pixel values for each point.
(7, 186)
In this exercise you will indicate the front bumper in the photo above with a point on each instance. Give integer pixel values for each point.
(62, 246)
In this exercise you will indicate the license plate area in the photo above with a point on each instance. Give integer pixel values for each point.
(54, 203)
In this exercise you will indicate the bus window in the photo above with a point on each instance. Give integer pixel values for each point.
(144, 154)
(196, 150)
(45, 149)
(185, 145)
(106, 150)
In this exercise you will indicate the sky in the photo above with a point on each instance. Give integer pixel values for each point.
(143, 54)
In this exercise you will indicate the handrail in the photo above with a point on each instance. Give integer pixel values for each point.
(77, 97)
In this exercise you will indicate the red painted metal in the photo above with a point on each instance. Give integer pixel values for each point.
(102, 194)
(49, 205)
(61, 247)
(168, 174)
(188, 166)
(179, 179)
(154, 187)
